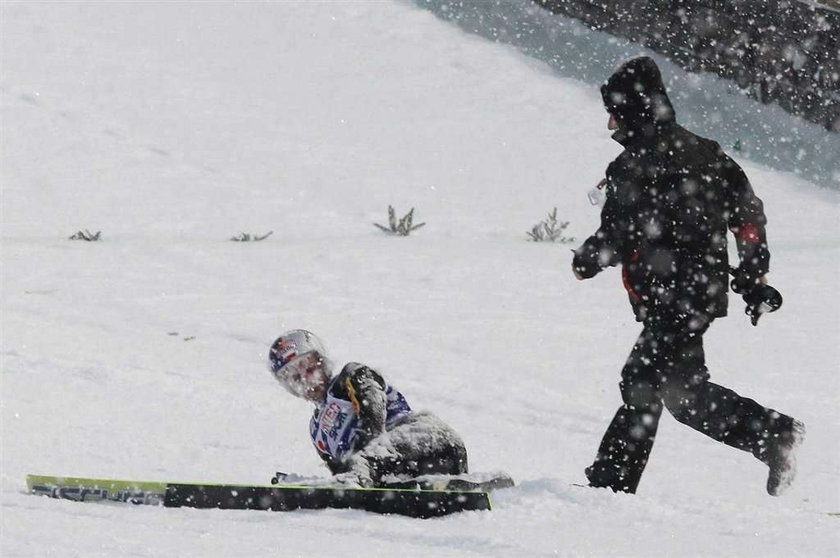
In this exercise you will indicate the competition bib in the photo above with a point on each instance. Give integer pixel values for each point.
(335, 426)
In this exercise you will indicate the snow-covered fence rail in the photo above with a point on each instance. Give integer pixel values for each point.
(780, 51)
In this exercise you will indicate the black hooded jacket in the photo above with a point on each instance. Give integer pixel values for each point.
(671, 196)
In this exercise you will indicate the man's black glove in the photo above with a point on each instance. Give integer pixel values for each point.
(585, 262)
(760, 297)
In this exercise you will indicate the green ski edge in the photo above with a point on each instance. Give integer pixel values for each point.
(111, 484)
(410, 502)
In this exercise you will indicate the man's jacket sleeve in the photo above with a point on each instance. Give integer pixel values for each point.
(601, 250)
(747, 222)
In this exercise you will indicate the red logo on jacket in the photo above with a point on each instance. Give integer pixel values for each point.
(749, 234)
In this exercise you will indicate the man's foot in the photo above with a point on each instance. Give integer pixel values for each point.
(608, 477)
(782, 460)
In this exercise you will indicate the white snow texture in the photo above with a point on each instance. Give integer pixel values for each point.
(172, 126)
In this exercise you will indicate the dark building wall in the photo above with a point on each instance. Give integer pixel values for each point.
(780, 51)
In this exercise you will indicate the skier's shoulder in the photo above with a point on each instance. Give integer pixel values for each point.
(354, 369)
(355, 374)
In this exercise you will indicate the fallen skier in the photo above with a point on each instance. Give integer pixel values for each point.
(362, 427)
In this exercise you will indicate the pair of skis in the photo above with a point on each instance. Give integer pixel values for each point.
(421, 498)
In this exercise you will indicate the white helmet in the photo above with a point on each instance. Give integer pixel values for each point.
(289, 348)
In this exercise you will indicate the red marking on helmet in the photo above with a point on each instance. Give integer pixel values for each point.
(285, 351)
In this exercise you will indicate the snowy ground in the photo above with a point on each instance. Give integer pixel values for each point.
(171, 127)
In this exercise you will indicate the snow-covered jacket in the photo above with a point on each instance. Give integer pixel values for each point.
(671, 195)
(359, 406)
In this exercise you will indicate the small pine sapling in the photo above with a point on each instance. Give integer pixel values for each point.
(245, 237)
(403, 227)
(86, 235)
(550, 230)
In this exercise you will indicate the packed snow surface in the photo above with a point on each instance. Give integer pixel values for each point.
(172, 127)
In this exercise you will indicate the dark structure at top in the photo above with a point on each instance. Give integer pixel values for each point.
(779, 51)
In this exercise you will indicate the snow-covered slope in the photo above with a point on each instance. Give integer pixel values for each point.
(710, 106)
(171, 127)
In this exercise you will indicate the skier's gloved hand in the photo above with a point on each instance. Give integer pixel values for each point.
(358, 472)
(352, 479)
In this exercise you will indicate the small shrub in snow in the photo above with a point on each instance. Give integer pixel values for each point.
(86, 235)
(550, 230)
(245, 237)
(403, 227)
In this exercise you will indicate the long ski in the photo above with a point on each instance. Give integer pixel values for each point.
(402, 501)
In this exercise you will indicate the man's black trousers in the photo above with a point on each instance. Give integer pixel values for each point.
(667, 366)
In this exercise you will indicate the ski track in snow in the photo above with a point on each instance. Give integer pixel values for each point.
(172, 127)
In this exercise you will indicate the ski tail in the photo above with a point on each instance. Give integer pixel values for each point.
(95, 490)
